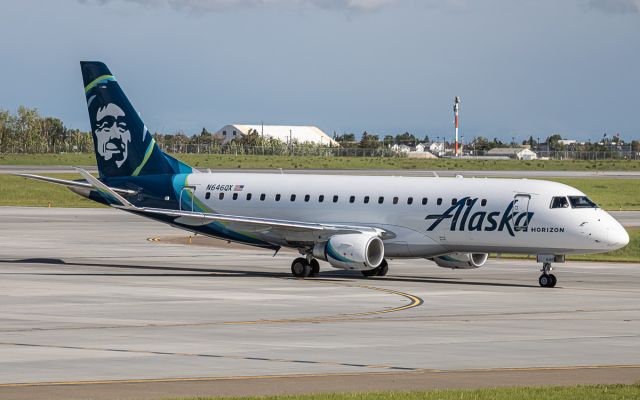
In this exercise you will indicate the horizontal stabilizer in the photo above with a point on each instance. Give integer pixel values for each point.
(68, 183)
(110, 195)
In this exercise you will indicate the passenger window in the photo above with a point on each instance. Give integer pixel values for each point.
(277, 197)
(306, 198)
(293, 197)
(469, 201)
(440, 201)
(483, 202)
(424, 201)
(454, 201)
(207, 196)
(248, 196)
(320, 198)
(335, 198)
(263, 196)
(410, 200)
(559, 202)
(366, 199)
(235, 196)
(352, 199)
(380, 200)
(221, 196)
(395, 200)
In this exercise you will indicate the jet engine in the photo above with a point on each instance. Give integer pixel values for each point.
(354, 251)
(461, 260)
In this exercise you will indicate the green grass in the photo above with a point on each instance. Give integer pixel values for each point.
(593, 392)
(316, 162)
(610, 194)
(19, 191)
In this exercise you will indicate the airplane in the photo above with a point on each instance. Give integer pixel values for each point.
(352, 222)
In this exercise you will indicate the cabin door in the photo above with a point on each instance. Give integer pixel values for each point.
(187, 197)
(520, 212)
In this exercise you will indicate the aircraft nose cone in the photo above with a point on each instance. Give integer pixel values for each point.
(618, 237)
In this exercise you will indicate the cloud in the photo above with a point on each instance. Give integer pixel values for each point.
(198, 6)
(616, 6)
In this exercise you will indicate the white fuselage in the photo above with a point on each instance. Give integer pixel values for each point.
(496, 215)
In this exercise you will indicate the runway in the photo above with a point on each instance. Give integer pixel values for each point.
(36, 169)
(87, 300)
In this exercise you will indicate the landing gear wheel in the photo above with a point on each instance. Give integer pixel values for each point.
(380, 270)
(315, 267)
(553, 280)
(383, 268)
(544, 280)
(300, 268)
(370, 272)
(547, 280)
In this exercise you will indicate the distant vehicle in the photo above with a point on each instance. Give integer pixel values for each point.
(352, 222)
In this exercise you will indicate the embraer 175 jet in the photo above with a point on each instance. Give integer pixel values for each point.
(353, 223)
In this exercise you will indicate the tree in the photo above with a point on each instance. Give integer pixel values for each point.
(406, 139)
(388, 140)
(554, 142)
(369, 141)
(635, 146)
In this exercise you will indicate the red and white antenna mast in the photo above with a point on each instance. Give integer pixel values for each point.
(456, 108)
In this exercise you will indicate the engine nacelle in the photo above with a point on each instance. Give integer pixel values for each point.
(461, 260)
(354, 251)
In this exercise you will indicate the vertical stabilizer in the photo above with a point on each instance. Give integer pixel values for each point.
(123, 144)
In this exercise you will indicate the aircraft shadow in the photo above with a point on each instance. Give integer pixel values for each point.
(338, 276)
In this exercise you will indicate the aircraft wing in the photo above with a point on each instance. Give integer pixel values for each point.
(68, 183)
(254, 224)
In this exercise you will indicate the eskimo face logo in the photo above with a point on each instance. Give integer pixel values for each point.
(112, 134)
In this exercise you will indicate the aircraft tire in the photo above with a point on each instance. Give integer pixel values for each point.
(300, 268)
(547, 280)
(554, 280)
(370, 272)
(315, 267)
(383, 268)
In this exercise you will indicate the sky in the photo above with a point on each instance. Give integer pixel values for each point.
(521, 67)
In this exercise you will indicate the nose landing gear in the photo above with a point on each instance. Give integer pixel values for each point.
(547, 279)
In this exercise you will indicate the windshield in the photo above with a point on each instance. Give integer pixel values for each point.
(581, 202)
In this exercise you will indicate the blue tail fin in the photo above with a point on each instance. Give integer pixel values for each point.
(123, 144)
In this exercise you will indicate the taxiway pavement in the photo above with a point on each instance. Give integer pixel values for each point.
(86, 297)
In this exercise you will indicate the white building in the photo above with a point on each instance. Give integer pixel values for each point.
(284, 133)
(421, 147)
(401, 148)
(437, 148)
(519, 153)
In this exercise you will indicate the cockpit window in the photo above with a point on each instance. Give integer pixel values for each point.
(559, 202)
(581, 202)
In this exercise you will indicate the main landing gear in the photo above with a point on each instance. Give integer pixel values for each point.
(381, 270)
(303, 268)
(547, 279)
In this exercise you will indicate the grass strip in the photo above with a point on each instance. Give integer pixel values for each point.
(591, 392)
(320, 162)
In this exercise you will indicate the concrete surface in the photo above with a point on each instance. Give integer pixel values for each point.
(86, 297)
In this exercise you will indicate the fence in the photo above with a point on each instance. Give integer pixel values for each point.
(622, 153)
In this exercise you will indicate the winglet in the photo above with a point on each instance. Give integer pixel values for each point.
(113, 198)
